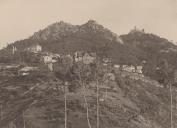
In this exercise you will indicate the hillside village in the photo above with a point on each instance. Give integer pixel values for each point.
(103, 79)
(87, 58)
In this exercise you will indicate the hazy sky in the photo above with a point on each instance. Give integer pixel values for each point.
(21, 18)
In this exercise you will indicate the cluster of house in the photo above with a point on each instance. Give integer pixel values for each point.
(129, 68)
(87, 58)
(50, 59)
(36, 48)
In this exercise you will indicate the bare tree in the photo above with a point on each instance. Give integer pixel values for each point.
(97, 111)
(65, 97)
(167, 74)
(97, 92)
(61, 73)
(88, 120)
(24, 125)
(1, 112)
(171, 105)
(82, 76)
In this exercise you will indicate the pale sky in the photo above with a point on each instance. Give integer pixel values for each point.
(19, 19)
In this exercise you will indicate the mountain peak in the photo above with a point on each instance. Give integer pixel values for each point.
(60, 30)
(60, 25)
(63, 23)
(92, 22)
(56, 31)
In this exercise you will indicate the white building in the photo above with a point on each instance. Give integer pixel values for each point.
(128, 68)
(133, 69)
(26, 71)
(78, 56)
(51, 58)
(47, 59)
(106, 60)
(14, 49)
(117, 66)
(35, 48)
(88, 59)
(139, 69)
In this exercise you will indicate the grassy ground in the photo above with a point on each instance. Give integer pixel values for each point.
(35, 102)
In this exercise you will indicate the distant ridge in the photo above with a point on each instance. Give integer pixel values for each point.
(61, 29)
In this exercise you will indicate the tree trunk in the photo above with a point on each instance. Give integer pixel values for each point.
(97, 93)
(65, 108)
(85, 99)
(1, 112)
(86, 103)
(106, 94)
(97, 111)
(171, 107)
(24, 125)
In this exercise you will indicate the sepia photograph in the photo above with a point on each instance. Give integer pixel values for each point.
(88, 63)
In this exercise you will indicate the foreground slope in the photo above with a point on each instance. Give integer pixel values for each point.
(35, 102)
